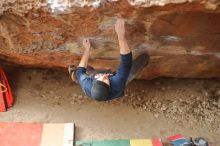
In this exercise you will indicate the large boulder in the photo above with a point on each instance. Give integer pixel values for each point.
(181, 36)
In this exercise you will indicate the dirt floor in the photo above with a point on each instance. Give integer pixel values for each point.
(158, 108)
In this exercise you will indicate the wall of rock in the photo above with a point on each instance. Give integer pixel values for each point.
(181, 36)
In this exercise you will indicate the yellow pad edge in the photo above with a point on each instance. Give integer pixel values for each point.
(141, 142)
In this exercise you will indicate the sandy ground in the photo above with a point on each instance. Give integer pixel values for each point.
(158, 108)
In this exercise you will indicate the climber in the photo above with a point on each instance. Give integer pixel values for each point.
(105, 85)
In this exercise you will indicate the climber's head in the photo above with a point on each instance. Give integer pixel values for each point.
(101, 87)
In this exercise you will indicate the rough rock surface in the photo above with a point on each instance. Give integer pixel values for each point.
(181, 36)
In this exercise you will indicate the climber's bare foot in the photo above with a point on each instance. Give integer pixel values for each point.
(72, 71)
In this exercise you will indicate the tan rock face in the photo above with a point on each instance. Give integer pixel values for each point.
(181, 36)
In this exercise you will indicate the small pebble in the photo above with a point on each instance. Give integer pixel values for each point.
(156, 115)
(214, 103)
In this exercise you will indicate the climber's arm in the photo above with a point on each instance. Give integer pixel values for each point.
(120, 30)
(124, 68)
(125, 52)
(85, 58)
(83, 78)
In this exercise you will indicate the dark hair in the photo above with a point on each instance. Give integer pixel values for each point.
(100, 91)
